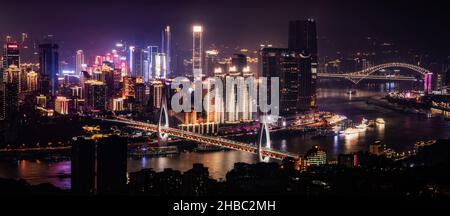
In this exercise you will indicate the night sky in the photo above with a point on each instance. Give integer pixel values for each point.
(96, 25)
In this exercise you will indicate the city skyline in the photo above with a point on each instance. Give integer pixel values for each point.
(409, 28)
(309, 99)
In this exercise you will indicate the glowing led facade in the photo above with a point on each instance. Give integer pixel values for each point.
(32, 81)
(166, 48)
(62, 105)
(117, 104)
(79, 61)
(197, 52)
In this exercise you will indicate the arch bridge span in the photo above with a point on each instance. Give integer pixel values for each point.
(367, 73)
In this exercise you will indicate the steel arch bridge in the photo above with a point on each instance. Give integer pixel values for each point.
(357, 76)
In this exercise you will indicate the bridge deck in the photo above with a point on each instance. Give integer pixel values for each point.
(218, 141)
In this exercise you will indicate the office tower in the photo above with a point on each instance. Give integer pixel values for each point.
(108, 77)
(131, 61)
(62, 105)
(307, 83)
(151, 53)
(447, 78)
(11, 54)
(41, 101)
(79, 62)
(32, 81)
(12, 74)
(283, 63)
(211, 58)
(160, 66)
(316, 156)
(2, 101)
(239, 61)
(146, 67)
(197, 52)
(348, 160)
(83, 167)
(141, 94)
(111, 166)
(117, 104)
(9, 101)
(156, 92)
(137, 67)
(49, 68)
(95, 95)
(303, 39)
(166, 48)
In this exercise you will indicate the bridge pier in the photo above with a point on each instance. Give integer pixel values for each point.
(163, 122)
(263, 133)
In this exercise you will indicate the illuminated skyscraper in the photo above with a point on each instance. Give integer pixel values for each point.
(166, 48)
(41, 101)
(11, 54)
(316, 156)
(131, 61)
(2, 101)
(210, 62)
(136, 62)
(197, 52)
(283, 63)
(79, 61)
(62, 105)
(49, 68)
(150, 63)
(160, 66)
(117, 104)
(156, 92)
(12, 74)
(303, 39)
(95, 92)
(32, 81)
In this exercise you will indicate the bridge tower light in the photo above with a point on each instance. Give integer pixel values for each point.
(263, 133)
(163, 122)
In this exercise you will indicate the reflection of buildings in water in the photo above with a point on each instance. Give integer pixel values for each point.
(380, 130)
(442, 113)
(335, 144)
(283, 145)
(351, 139)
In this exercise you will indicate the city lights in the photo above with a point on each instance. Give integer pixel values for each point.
(230, 108)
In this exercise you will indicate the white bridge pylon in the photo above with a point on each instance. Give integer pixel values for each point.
(163, 122)
(263, 133)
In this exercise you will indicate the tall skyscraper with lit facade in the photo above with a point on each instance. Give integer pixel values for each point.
(166, 47)
(62, 105)
(137, 62)
(49, 67)
(150, 62)
(11, 54)
(79, 61)
(197, 52)
(283, 63)
(303, 39)
(95, 94)
(211, 58)
(316, 156)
